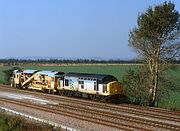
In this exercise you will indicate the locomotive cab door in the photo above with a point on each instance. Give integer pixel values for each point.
(96, 86)
(52, 82)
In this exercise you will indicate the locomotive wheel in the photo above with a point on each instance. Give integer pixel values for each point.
(60, 92)
(93, 97)
(56, 92)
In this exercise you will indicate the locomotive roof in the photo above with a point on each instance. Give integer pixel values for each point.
(51, 73)
(87, 75)
(29, 71)
(16, 71)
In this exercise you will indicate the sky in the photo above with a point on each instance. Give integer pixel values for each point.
(90, 29)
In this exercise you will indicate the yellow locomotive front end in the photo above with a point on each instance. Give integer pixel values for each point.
(114, 88)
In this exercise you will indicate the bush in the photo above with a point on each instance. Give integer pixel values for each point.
(137, 82)
(8, 123)
(136, 86)
(17, 123)
(8, 74)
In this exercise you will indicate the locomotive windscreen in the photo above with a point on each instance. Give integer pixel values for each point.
(108, 79)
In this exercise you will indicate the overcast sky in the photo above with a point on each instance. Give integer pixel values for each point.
(69, 28)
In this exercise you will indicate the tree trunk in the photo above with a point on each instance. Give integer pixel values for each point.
(154, 85)
(153, 90)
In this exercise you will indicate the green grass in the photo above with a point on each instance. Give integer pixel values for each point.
(117, 70)
(171, 102)
(174, 74)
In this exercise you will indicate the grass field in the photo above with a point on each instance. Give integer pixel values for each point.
(172, 101)
(117, 70)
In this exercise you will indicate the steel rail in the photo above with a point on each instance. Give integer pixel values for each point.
(67, 113)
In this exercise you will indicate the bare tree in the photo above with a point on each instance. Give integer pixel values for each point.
(157, 40)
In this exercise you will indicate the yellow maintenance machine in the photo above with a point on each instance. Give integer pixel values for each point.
(35, 79)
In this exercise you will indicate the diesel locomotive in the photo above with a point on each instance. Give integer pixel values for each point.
(92, 86)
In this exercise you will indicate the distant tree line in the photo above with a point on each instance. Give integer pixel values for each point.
(66, 61)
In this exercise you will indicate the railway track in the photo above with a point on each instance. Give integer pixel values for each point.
(144, 111)
(149, 117)
(151, 110)
(116, 116)
(65, 112)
